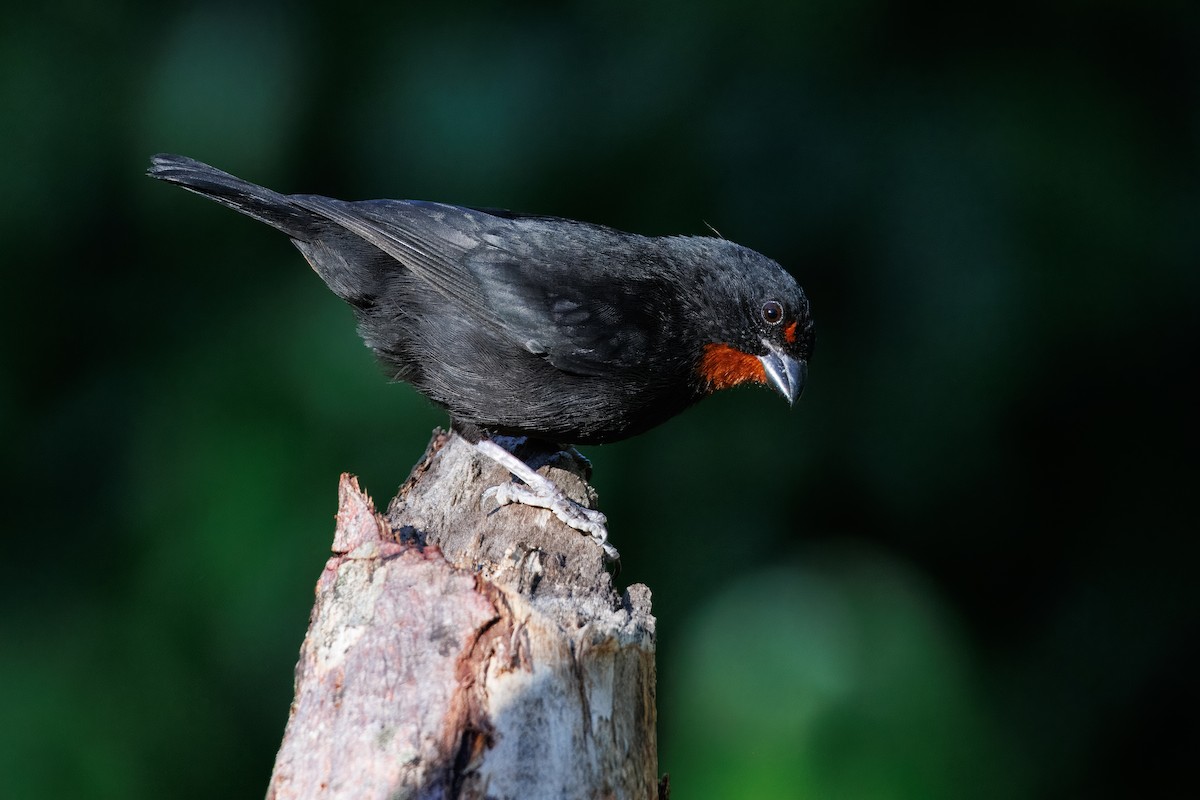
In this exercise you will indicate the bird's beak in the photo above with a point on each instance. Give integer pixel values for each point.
(784, 373)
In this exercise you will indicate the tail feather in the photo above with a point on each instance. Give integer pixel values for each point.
(352, 267)
(254, 201)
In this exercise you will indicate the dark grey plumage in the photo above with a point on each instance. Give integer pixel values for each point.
(528, 325)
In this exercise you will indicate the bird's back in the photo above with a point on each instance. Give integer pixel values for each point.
(516, 324)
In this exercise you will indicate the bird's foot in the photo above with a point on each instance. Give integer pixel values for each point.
(584, 520)
(540, 492)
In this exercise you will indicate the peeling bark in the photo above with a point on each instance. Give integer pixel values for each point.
(457, 653)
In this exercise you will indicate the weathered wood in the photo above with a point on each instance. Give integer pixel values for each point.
(456, 653)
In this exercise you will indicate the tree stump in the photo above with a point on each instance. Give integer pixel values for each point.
(457, 651)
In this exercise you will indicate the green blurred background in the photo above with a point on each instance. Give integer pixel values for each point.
(963, 566)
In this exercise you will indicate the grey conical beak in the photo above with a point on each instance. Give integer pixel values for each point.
(784, 373)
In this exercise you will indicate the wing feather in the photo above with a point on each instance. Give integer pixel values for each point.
(549, 293)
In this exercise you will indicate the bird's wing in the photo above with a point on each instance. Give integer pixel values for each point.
(430, 239)
(562, 306)
(511, 273)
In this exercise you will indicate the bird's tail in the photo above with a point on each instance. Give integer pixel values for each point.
(348, 264)
(255, 201)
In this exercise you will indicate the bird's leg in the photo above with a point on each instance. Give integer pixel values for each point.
(541, 492)
(572, 458)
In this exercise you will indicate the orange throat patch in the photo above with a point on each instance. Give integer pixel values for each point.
(723, 366)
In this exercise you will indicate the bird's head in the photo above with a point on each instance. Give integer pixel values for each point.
(758, 325)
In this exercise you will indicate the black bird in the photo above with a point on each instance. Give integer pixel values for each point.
(524, 325)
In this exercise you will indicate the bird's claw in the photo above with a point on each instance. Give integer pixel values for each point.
(585, 520)
(540, 492)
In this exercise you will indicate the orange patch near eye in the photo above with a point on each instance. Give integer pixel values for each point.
(723, 366)
(789, 333)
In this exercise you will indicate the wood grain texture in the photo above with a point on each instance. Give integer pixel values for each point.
(457, 651)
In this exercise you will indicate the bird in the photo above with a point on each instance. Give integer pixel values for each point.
(534, 327)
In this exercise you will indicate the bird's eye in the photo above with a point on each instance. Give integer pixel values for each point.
(772, 312)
